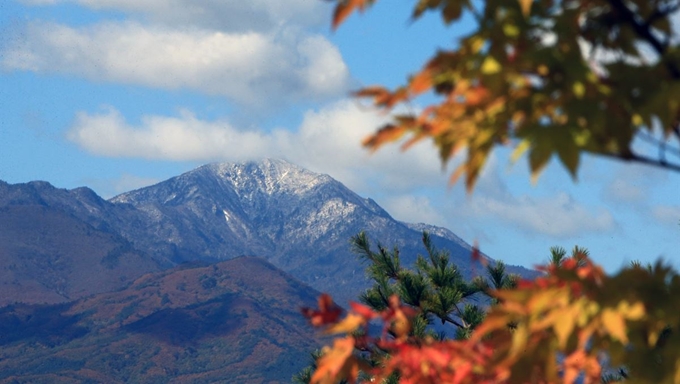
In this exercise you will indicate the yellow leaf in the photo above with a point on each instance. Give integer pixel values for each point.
(526, 7)
(522, 147)
(588, 310)
(637, 120)
(497, 106)
(543, 300)
(483, 136)
(581, 138)
(518, 117)
(400, 326)
(653, 337)
(349, 324)
(563, 328)
(632, 312)
(334, 361)
(490, 66)
(579, 89)
(520, 337)
(614, 324)
(493, 322)
(476, 43)
(510, 30)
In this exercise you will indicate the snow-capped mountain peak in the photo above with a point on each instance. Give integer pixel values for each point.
(299, 220)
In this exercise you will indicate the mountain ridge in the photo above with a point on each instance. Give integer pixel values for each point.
(56, 245)
(298, 220)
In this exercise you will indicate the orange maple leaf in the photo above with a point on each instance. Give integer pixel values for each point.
(337, 363)
(345, 8)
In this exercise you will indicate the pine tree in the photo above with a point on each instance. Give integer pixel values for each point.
(434, 286)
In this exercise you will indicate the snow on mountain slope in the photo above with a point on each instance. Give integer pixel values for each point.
(299, 220)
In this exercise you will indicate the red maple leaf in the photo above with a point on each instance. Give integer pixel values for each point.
(328, 312)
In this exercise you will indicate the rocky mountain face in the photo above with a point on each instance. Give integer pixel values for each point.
(231, 322)
(298, 220)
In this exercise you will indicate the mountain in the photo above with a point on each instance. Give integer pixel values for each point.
(157, 284)
(56, 243)
(299, 220)
(235, 321)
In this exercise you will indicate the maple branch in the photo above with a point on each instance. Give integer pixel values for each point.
(475, 13)
(661, 12)
(660, 143)
(642, 29)
(662, 152)
(676, 131)
(634, 158)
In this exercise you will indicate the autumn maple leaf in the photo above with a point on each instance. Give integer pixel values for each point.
(328, 312)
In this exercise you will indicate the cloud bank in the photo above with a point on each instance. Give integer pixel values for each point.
(251, 68)
(225, 15)
(263, 53)
(559, 216)
(328, 140)
(667, 214)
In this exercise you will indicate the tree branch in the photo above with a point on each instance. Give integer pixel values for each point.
(633, 158)
(659, 13)
(454, 322)
(676, 130)
(644, 32)
(660, 143)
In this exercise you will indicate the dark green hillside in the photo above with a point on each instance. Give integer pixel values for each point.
(234, 321)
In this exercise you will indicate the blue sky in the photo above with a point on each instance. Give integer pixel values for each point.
(120, 94)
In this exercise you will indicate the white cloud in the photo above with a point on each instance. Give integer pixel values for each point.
(127, 182)
(225, 15)
(667, 214)
(558, 216)
(633, 184)
(250, 67)
(413, 209)
(170, 138)
(625, 191)
(328, 140)
(331, 142)
(108, 188)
